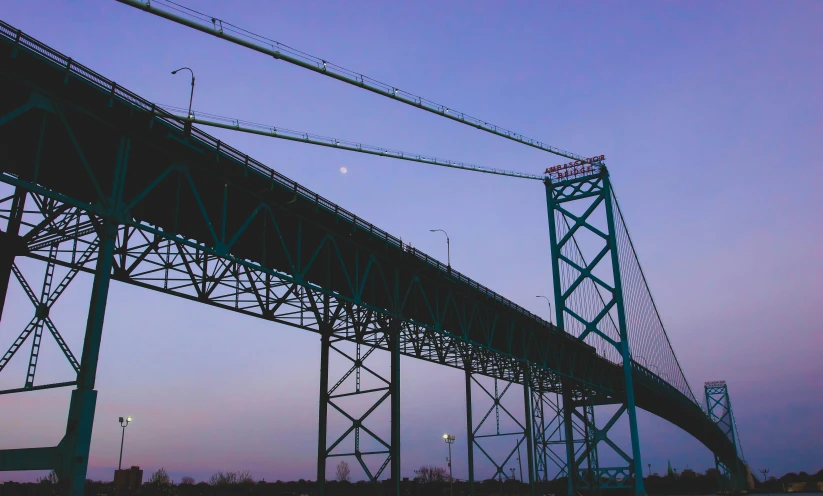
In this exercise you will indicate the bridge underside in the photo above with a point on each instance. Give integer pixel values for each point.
(100, 181)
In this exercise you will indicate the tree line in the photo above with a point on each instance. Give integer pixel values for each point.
(428, 480)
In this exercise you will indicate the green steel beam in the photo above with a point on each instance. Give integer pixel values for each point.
(322, 423)
(529, 430)
(28, 459)
(572, 472)
(469, 430)
(631, 409)
(395, 407)
(221, 29)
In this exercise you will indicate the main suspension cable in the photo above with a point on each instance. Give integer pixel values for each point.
(216, 27)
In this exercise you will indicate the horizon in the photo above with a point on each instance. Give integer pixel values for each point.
(733, 261)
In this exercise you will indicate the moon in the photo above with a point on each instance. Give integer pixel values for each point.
(343, 170)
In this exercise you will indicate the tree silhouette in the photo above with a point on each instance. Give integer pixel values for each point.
(228, 478)
(49, 479)
(343, 472)
(431, 473)
(160, 477)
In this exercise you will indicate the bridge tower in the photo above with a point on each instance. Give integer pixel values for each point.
(719, 408)
(589, 304)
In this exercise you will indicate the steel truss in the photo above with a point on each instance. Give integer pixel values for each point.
(379, 331)
(126, 194)
(519, 435)
(589, 304)
(719, 408)
(550, 442)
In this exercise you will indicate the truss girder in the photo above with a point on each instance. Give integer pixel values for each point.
(199, 221)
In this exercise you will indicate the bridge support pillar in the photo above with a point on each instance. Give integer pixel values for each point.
(582, 466)
(394, 340)
(549, 437)
(323, 415)
(351, 336)
(73, 450)
(469, 430)
(484, 431)
(719, 407)
(572, 473)
(588, 288)
(529, 429)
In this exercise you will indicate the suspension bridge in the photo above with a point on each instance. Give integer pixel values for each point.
(96, 179)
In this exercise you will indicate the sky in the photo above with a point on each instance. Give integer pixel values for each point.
(710, 116)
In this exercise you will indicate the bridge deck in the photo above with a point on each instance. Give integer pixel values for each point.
(185, 187)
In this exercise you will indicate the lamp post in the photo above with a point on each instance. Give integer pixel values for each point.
(650, 469)
(123, 424)
(764, 471)
(550, 307)
(519, 462)
(450, 440)
(191, 95)
(448, 246)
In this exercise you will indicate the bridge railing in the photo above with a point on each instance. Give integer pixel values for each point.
(64, 62)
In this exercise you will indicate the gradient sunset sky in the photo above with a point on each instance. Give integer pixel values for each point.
(710, 115)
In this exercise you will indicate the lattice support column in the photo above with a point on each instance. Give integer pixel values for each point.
(719, 408)
(361, 379)
(574, 428)
(552, 439)
(547, 422)
(496, 410)
(590, 305)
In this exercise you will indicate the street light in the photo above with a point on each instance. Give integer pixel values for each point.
(650, 469)
(550, 307)
(123, 424)
(450, 440)
(191, 96)
(448, 246)
(764, 471)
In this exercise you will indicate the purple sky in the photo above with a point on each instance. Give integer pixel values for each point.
(710, 119)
